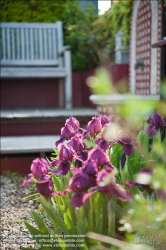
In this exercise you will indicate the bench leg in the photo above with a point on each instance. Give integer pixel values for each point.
(68, 93)
(42, 155)
(61, 93)
(68, 81)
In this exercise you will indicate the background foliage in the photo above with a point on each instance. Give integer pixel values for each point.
(31, 10)
(78, 34)
(165, 6)
(120, 15)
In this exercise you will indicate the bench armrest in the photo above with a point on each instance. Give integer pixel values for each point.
(63, 50)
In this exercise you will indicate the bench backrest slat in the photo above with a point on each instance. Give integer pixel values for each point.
(41, 44)
(13, 44)
(3, 47)
(18, 44)
(31, 43)
(8, 42)
(23, 41)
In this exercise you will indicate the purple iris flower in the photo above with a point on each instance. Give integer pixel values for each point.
(61, 140)
(156, 121)
(47, 189)
(132, 184)
(150, 130)
(123, 160)
(77, 144)
(98, 156)
(73, 122)
(105, 120)
(146, 171)
(90, 168)
(83, 133)
(64, 167)
(80, 159)
(110, 132)
(78, 163)
(144, 177)
(103, 144)
(94, 126)
(67, 132)
(121, 193)
(143, 180)
(30, 177)
(127, 143)
(83, 155)
(65, 153)
(106, 183)
(79, 199)
(161, 194)
(79, 182)
(55, 162)
(39, 169)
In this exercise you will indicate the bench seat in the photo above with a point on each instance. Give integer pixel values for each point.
(32, 72)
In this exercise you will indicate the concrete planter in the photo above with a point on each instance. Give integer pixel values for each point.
(109, 104)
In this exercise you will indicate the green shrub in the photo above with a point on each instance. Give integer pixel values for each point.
(91, 37)
(31, 11)
(119, 17)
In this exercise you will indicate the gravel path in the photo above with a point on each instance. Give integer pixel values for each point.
(14, 210)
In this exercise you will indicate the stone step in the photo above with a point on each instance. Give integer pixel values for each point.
(59, 114)
(27, 134)
(18, 152)
(28, 144)
(20, 122)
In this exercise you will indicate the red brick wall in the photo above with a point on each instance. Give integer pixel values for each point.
(159, 50)
(143, 47)
(144, 14)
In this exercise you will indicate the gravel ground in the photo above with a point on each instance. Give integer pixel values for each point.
(14, 210)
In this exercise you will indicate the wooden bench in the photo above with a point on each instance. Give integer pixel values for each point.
(36, 50)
